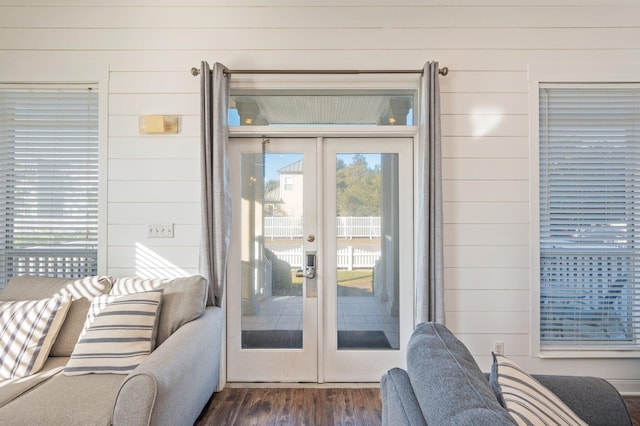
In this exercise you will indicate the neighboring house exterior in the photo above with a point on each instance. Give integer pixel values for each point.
(286, 199)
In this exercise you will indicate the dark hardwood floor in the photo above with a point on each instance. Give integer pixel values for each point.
(309, 406)
(633, 405)
(293, 406)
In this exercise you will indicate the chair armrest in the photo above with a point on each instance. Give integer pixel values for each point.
(399, 403)
(593, 399)
(176, 381)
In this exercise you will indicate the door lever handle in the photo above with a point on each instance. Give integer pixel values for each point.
(310, 273)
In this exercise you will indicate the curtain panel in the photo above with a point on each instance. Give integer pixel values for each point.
(429, 252)
(216, 193)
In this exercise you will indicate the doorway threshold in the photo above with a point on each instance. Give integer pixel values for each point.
(341, 385)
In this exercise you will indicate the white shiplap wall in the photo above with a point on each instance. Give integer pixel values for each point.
(150, 45)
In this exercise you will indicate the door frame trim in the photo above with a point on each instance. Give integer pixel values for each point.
(339, 362)
(296, 357)
(319, 133)
(323, 131)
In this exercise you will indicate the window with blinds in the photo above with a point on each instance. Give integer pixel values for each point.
(48, 181)
(589, 150)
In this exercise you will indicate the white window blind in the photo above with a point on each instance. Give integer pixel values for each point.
(49, 181)
(589, 217)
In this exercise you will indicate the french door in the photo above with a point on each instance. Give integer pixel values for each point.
(321, 264)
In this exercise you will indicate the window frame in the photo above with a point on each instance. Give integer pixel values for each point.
(567, 75)
(21, 74)
(288, 183)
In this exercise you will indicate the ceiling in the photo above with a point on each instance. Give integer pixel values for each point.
(318, 109)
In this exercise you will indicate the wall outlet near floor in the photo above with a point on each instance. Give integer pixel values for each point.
(160, 230)
(498, 347)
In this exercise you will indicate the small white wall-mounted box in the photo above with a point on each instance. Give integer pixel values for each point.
(158, 124)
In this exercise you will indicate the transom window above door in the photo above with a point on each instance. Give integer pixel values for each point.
(322, 108)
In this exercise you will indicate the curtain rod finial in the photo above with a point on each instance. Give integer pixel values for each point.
(444, 71)
(195, 71)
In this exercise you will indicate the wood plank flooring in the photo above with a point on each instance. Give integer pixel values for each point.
(293, 406)
(633, 405)
(309, 406)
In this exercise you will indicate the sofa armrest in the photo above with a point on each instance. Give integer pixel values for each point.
(593, 399)
(399, 403)
(175, 382)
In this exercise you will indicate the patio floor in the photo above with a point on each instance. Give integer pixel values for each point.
(357, 313)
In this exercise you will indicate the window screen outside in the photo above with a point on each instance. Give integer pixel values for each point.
(589, 153)
(48, 181)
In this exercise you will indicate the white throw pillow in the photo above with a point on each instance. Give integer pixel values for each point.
(118, 335)
(526, 399)
(28, 329)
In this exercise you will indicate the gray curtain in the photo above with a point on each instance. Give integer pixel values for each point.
(429, 254)
(216, 194)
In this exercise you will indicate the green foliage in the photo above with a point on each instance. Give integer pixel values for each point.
(271, 185)
(359, 189)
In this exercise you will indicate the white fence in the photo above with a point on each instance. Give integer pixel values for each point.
(349, 258)
(358, 227)
(283, 227)
(346, 257)
(292, 256)
(346, 227)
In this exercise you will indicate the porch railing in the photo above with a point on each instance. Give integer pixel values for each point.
(346, 257)
(48, 262)
(346, 227)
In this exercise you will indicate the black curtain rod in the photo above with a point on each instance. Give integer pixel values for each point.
(443, 71)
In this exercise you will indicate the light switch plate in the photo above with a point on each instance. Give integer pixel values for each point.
(160, 230)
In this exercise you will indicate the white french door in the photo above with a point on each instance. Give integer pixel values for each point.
(368, 321)
(321, 265)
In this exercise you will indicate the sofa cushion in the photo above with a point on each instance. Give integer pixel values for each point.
(66, 400)
(118, 335)
(83, 290)
(399, 403)
(184, 299)
(28, 329)
(526, 399)
(582, 393)
(448, 384)
(71, 328)
(11, 389)
(31, 287)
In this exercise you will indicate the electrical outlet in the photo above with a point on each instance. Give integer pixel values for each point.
(498, 347)
(160, 230)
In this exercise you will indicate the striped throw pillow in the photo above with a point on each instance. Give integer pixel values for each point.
(526, 399)
(118, 335)
(28, 329)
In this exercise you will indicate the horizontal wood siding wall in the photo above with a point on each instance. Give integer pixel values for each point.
(150, 46)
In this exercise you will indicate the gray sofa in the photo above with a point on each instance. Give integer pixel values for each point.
(170, 387)
(443, 386)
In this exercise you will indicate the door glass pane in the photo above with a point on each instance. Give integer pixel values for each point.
(271, 234)
(367, 251)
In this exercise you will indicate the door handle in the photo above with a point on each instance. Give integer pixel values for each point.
(309, 271)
